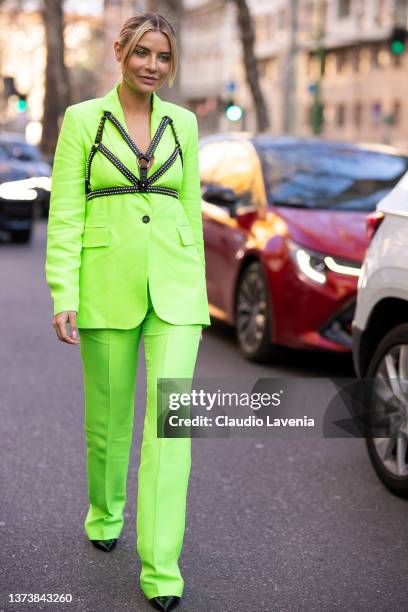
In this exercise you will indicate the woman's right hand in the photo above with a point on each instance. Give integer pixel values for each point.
(59, 322)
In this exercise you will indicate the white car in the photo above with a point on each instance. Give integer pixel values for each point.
(380, 333)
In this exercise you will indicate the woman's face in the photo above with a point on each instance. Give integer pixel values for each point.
(150, 58)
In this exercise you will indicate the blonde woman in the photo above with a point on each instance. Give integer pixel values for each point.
(125, 257)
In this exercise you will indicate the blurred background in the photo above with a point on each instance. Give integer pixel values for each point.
(334, 67)
(303, 115)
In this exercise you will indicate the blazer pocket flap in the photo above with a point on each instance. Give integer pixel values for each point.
(94, 236)
(186, 234)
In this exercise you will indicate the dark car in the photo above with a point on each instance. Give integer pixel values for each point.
(17, 201)
(285, 235)
(28, 157)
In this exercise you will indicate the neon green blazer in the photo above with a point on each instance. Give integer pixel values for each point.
(104, 242)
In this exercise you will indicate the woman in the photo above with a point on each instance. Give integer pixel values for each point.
(125, 256)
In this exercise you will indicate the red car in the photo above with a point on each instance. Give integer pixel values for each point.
(284, 223)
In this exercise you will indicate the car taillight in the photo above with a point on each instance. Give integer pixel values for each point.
(373, 222)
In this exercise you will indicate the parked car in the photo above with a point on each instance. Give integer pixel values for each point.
(28, 157)
(380, 334)
(284, 230)
(17, 201)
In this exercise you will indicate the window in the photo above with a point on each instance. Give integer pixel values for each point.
(380, 56)
(374, 57)
(20, 149)
(340, 115)
(3, 154)
(358, 110)
(321, 176)
(233, 164)
(376, 113)
(364, 59)
(396, 113)
(384, 57)
(344, 8)
(340, 60)
(355, 59)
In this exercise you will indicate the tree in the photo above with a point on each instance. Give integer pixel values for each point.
(251, 67)
(57, 89)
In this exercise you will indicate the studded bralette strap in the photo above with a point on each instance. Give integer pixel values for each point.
(144, 184)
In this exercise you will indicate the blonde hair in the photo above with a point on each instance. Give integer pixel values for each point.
(133, 30)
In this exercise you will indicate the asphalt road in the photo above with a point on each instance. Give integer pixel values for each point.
(272, 525)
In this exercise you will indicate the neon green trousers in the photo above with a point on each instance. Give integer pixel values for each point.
(109, 358)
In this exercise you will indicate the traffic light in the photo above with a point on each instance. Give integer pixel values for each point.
(398, 41)
(233, 111)
(10, 91)
(22, 103)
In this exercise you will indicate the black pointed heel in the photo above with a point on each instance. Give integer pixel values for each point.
(105, 545)
(165, 602)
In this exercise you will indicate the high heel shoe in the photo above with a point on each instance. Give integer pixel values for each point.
(165, 602)
(105, 545)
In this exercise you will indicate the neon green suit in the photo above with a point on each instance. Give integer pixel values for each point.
(100, 252)
(129, 258)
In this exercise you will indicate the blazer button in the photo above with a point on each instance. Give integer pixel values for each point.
(146, 219)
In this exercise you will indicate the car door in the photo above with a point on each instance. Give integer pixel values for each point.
(231, 164)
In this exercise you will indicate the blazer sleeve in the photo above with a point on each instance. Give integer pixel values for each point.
(190, 193)
(66, 216)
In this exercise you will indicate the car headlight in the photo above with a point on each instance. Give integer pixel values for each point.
(315, 265)
(25, 188)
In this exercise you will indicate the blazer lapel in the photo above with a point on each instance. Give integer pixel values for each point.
(113, 139)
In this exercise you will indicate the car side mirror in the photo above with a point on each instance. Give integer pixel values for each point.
(221, 196)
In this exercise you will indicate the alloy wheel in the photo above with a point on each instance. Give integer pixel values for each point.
(251, 313)
(390, 407)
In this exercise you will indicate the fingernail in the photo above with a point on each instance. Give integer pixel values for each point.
(74, 334)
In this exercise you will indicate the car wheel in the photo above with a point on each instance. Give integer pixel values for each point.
(252, 315)
(22, 236)
(389, 455)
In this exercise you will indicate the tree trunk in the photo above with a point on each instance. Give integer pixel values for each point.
(250, 63)
(57, 90)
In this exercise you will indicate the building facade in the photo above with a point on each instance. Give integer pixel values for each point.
(210, 65)
(363, 88)
(364, 85)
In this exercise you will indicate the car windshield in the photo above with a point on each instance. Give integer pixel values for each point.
(316, 176)
(20, 149)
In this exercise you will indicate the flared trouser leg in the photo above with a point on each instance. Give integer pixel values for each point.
(164, 470)
(109, 358)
